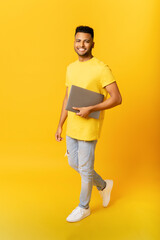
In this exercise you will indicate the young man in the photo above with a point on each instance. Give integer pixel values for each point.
(82, 132)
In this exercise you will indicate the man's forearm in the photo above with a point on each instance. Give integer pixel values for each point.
(64, 113)
(109, 103)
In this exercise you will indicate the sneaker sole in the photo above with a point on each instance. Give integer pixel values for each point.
(110, 189)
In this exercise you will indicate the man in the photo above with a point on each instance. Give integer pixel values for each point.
(82, 132)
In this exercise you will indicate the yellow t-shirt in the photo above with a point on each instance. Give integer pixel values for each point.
(93, 75)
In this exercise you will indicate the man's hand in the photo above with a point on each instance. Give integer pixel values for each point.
(83, 111)
(58, 134)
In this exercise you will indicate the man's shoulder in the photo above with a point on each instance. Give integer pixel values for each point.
(101, 63)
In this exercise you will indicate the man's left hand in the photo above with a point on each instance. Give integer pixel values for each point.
(83, 111)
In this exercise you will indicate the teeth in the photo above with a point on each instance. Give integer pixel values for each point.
(81, 49)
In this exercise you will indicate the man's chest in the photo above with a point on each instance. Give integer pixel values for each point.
(86, 78)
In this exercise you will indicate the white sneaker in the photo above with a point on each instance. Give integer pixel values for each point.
(105, 193)
(78, 214)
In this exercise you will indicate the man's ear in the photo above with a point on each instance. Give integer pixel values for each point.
(93, 44)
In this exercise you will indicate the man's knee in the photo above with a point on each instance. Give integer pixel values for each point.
(86, 173)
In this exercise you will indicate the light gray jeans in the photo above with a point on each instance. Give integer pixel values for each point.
(81, 157)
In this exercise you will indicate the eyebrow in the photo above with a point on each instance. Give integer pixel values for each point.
(84, 39)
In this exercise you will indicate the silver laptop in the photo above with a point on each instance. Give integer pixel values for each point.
(81, 97)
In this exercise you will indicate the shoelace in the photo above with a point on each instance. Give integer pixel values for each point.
(77, 210)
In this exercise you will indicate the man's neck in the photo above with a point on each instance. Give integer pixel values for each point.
(83, 59)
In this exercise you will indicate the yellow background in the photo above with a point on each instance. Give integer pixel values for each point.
(38, 188)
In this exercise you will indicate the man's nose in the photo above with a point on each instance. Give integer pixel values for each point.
(82, 44)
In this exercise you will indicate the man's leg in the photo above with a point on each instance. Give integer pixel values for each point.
(81, 158)
(86, 150)
(98, 181)
(72, 153)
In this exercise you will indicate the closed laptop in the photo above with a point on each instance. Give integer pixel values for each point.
(81, 97)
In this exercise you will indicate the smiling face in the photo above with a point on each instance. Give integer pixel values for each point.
(83, 44)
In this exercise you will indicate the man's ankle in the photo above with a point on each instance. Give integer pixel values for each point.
(104, 187)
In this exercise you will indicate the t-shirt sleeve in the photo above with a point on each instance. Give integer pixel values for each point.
(67, 79)
(106, 76)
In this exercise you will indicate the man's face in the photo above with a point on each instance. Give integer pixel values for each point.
(83, 44)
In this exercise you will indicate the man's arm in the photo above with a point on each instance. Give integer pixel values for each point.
(114, 100)
(64, 114)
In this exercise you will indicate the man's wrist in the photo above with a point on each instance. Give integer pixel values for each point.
(91, 109)
(96, 107)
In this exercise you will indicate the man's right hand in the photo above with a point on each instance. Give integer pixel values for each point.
(58, 134)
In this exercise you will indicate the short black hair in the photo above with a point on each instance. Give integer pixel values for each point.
(85, 29)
